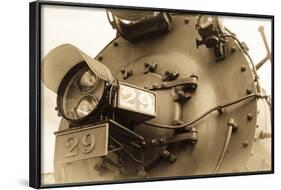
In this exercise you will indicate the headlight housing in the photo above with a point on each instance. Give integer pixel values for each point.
(81, 95)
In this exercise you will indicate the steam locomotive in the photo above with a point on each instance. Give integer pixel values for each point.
(174, 94)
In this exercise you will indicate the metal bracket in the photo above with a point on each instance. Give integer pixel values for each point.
(190, 137)
(188, 84)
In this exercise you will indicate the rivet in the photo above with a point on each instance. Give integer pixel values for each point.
(233, 49)
(146, 86)
(115, 44)
(257, 126)
(220, 110)
(249, 91)
(153, 141)
(162, 140)
(245, 144)
(100, 58)
(256, 78)
(252, 153)
(250, 117)
(165, 153)
(172, 158)
(243, 68)
(186, 20)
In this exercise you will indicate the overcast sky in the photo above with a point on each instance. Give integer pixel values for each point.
(89, 29)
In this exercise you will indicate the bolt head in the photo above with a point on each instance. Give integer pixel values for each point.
(250, 117)
(249, 91)
(172, 158)
(233, 49)
(153, 141)
(243, 68)
(245, 144)
(252, 153)
(165, 153)
(220, 110)
(100, 58)
(167, 72)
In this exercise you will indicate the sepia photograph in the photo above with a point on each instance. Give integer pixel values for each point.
(135, 94)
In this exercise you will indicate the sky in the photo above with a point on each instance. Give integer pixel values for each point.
(89, 29)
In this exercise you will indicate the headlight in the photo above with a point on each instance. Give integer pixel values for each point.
(87, 81)
(134, 25)
(86, 105)
(80, 94)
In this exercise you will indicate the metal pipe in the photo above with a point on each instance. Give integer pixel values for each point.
(268, 55)
(225, 146)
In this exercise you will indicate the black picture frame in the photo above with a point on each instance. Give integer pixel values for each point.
(35, 91)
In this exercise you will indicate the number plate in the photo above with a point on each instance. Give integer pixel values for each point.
(137, 100)
(82, 143)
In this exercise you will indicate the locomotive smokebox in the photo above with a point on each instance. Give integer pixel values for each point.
(155, 103)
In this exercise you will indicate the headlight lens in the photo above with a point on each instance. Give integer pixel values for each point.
(86, 105)
(80, 94)
(87, 81)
